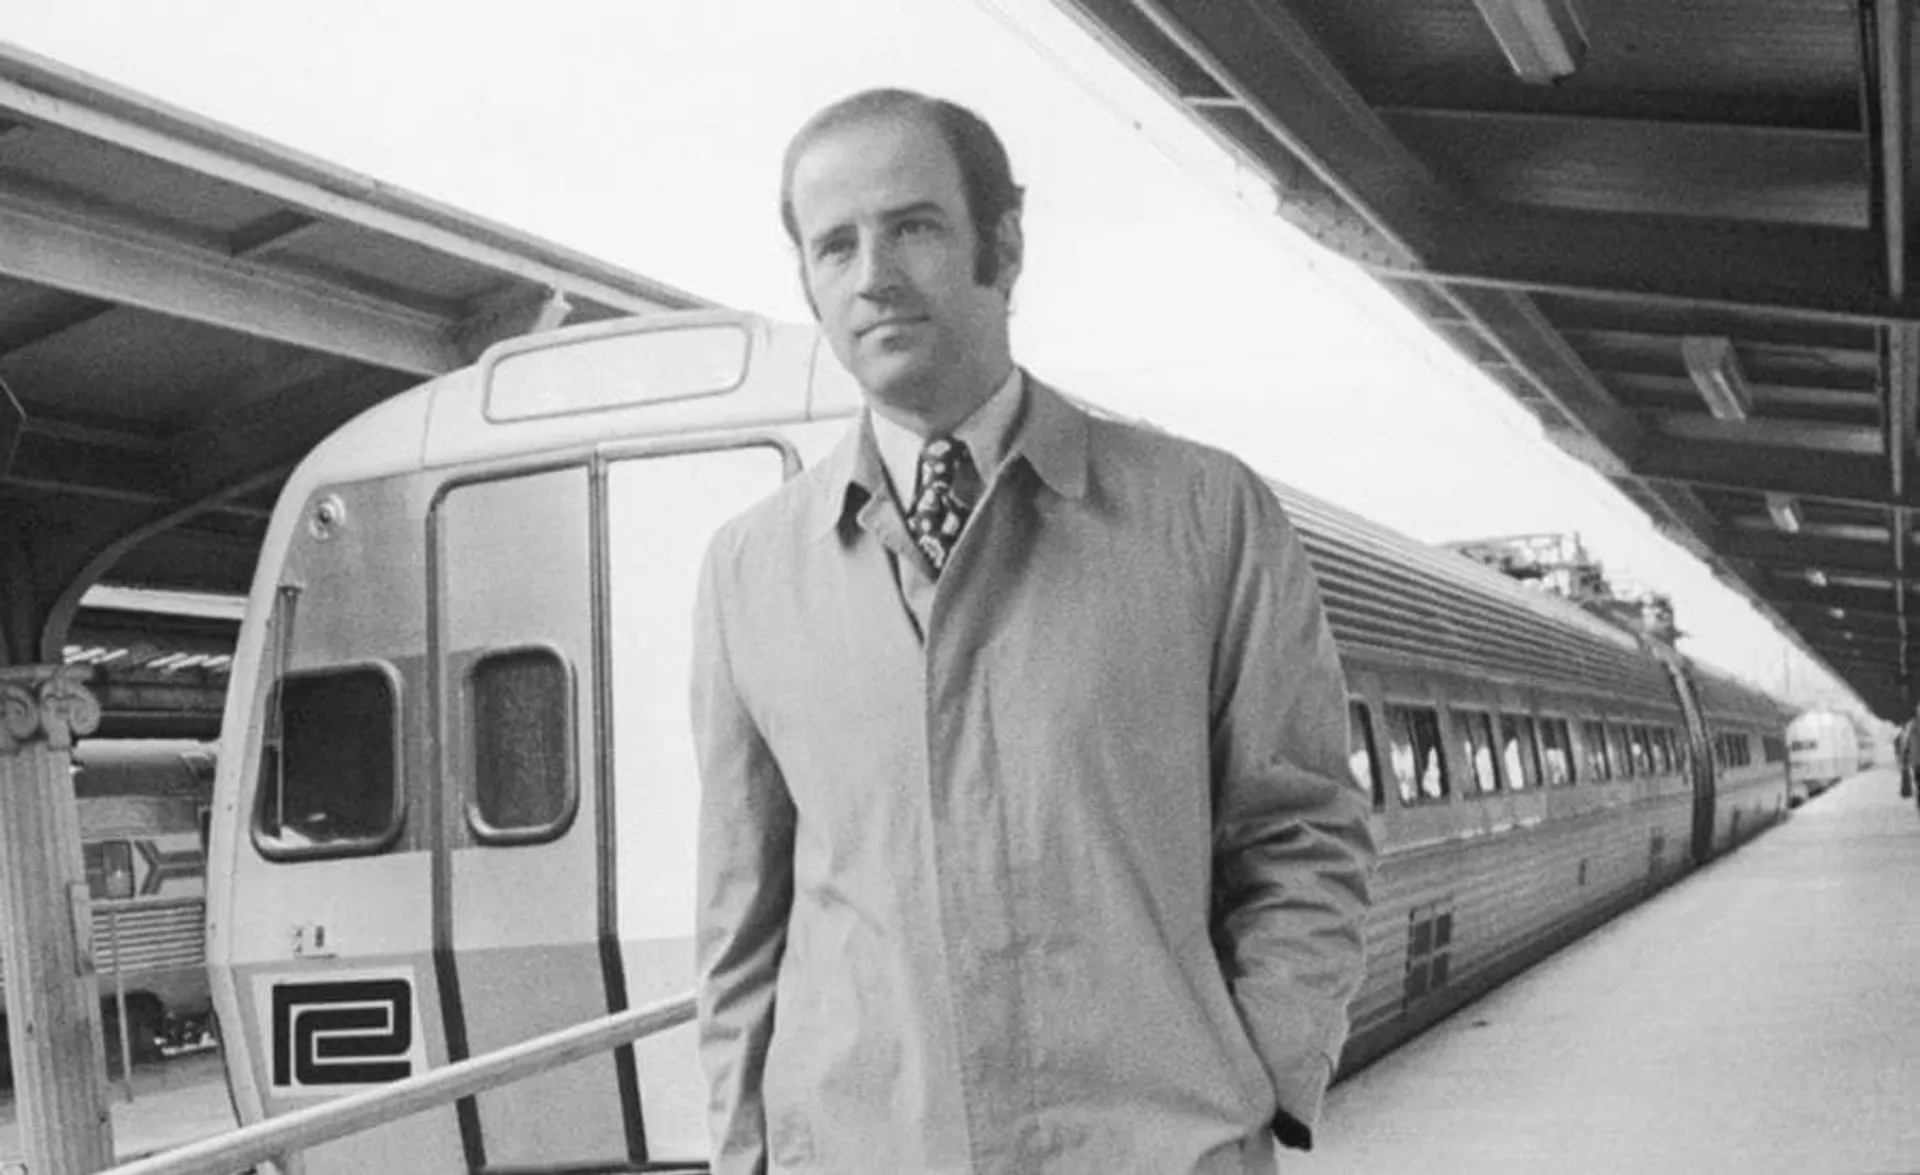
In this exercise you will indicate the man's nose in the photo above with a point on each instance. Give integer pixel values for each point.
(879, 270)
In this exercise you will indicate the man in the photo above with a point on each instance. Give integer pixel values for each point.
(1907, 752)
(1027, 842)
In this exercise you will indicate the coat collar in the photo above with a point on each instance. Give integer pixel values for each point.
(1051, 437)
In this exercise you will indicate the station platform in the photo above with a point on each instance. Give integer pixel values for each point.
(1762, 1015)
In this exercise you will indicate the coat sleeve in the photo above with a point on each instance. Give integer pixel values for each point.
(743, 891)
(1293, 852)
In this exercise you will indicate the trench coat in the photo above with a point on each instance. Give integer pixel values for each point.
(1073, 881)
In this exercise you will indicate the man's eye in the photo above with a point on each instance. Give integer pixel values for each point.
(834, 250)
(910, 228)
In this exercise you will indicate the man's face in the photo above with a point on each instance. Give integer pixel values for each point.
(887, 255)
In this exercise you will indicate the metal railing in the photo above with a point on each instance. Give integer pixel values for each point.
(277, 1138)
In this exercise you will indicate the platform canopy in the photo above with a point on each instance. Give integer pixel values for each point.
(184, 311)
(1682, 233)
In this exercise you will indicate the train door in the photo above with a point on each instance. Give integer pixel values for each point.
(1699, 759)
(519, 882)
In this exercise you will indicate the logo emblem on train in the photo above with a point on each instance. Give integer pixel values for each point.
(338, 1032)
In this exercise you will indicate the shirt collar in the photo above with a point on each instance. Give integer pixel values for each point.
(986, 434)
(1050, 435)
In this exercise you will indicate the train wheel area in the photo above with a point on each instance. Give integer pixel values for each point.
(1682, 1036)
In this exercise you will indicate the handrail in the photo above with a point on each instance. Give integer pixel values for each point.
(278, 1137)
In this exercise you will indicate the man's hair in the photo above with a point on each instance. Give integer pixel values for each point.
(986, 175)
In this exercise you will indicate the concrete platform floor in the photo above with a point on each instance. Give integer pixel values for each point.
(1763, 1015)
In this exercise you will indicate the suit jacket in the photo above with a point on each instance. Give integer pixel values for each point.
(1073, 884)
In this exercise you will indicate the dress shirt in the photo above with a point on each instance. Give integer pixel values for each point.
(989, 434)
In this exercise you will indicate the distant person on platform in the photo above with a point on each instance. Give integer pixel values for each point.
(1027, 843)
(1909, 755)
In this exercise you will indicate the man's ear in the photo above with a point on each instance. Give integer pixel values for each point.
(1009, 251)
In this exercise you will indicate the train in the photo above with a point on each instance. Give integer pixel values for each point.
(456, 803)
(1824, 747)
(143, 808)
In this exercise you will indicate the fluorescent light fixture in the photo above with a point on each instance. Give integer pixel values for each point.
(1784, 509)
(1543, 39)
(1716, 372)
(1817, 578)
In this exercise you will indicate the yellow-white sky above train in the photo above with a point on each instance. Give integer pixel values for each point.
(1157, 282)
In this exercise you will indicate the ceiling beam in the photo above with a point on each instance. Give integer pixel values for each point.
(1806, 436)
(1841, 477)
(1828, 402)
(21, 330)
(1796, 593)
(1784, 551)
(61, 465)
(1766, 173)
(100, 256)
(1884, 620)
(1807, 269)
(1852, 532)
(1749, 328)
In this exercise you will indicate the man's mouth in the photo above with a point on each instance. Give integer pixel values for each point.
(885, 323)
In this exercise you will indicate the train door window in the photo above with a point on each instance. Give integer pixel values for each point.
(328, 772)
(1593, 738)
(1418, 767)
(109, 870)
(1475, 729)
(524, 786)
(1662, 747)
(1556, 752)
(666, 508)
(1361, 760)
(1519, 751)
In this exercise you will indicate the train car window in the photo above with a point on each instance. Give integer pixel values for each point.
(1361, 760)
(524, 782)
(1662, 747)
(109, 870)
(1640, 746)
(1556, 752)
(1475, 730)
(1418, 767)
(329, 769)
(647, 367)
(1593, 739)
(1519, 751)
(1620, 751)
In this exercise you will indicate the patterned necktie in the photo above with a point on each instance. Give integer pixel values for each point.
(941, 505)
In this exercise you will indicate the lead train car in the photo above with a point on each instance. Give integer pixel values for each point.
(456, 803)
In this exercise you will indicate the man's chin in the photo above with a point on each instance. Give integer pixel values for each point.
(904, 382)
